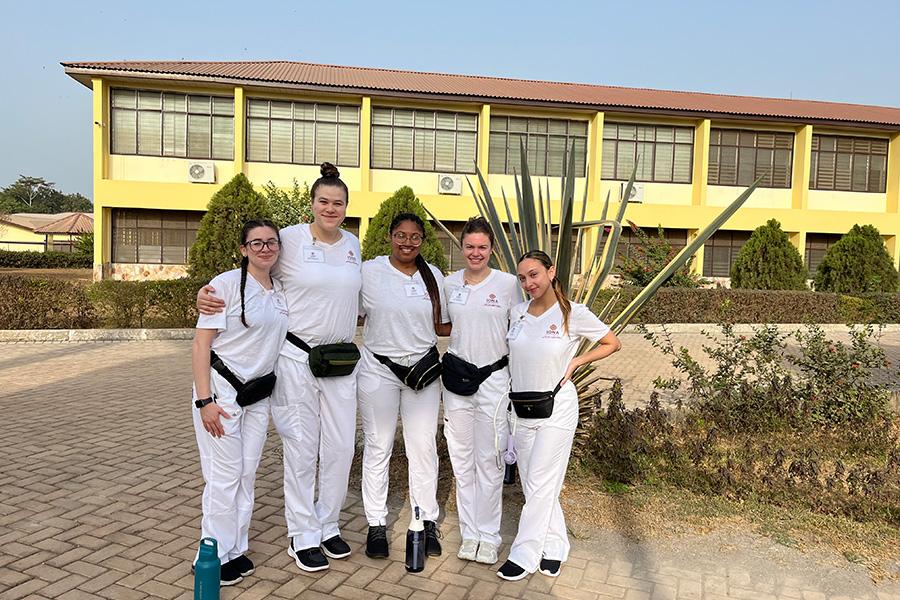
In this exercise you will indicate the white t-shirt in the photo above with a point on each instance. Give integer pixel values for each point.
(539, 349)
(480, 315)
(321, 283)
(398, 311)
(249, 352)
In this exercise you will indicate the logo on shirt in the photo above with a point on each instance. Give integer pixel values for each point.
(552, 331)
(351, 258)
(492, 301)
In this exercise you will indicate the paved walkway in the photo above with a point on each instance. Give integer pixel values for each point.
(100, 489)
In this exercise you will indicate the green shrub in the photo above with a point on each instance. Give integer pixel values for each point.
(858, 262)
(127, 304)
(84, 245)
(29, 259)
(377, 240)
(174, 303)
(289, 207)
(31, 303)
(650, 256)
(218, 238)
(769, 261)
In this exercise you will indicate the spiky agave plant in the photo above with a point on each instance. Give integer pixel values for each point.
(534, 232)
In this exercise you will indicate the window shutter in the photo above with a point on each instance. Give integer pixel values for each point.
(497, 152)
(381, 147)
(683, 161)
(150, 133)
(174, 134)
(445, 150)
(124, 131)
(403, 144)
(280, 135)
(326, 142)
(304, 143)
(424, 149)
(199, 136)
(223, 138)
(465, 151)
(257, 140)
(348, 144)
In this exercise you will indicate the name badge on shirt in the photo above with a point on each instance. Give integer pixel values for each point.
(414, 290)
(460, 295)
(515, 330)
(313, 254)
(280, 303)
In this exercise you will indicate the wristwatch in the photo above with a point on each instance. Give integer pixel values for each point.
(201, 402)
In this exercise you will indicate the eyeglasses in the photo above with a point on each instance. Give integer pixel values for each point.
(414, 239)
(258, 245)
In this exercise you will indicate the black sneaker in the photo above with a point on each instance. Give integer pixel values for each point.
(510, 571)
(309, 559)
(432, 535)
(229, 575)
(336, 547)
(377, 542)
(243, 565)
(550, 568)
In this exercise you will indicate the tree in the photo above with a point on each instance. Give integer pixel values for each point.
(857, 263)
(289, 207)
(377, 240)
(769, 261)
(650, 256)
(28, 190)
(37, 195)
(216, 249)
(84, 245)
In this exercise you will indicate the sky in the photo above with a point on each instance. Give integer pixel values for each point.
(822, 50)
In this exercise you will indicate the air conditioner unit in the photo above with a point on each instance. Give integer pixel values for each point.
(637, 192)
(202, 172)
(449, 184)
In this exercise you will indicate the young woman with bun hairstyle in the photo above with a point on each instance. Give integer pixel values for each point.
(230, 432)
(404, 309)
(544, 336)
(479, 300)
(316, 416)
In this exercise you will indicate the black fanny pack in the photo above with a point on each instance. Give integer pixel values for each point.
(533, 405)
(420, 375)
(328, 360)
(248, 392)
(462, 377)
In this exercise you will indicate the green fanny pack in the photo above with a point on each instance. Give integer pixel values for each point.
(328, 360)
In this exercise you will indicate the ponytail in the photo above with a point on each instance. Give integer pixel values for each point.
(564, 305)
(244, 262)
(432, 287)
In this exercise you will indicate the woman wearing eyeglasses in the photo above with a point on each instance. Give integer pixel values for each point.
(404, 308)
(233, 359)
(315, 415)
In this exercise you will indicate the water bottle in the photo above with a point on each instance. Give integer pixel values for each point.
(415, 543)
(509, 457)
(207, 571)
(509, 475)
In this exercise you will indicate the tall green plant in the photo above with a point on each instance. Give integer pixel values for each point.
(377, 240)
(289, 207)
(769, 261)
(859, 262)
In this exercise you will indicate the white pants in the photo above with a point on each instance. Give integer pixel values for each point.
(316, 419)
(381, 398)
(543, 447)
(229, 469)
(474, 442)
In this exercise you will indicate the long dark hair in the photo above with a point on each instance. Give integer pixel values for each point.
(422, 265)
(564, 305)
(477, 225)
(330, 176)
(245, 231)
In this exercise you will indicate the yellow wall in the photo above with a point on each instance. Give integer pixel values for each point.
(847, 201)
(14, 237)
(283, 175)
(723, 195)
(162, 168)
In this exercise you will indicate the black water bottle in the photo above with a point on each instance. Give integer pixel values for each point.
(509, 475)
(415, 543)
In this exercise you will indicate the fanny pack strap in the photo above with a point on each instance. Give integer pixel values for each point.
(498, 364)
(298, 342)
(219, 367)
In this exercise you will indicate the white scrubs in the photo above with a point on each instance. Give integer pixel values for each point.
(398, 325)
(475, 426)
(540, 350)
(229, 463)
(316, 417)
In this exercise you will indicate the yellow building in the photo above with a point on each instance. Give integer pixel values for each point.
(40, 232)
(167, 135)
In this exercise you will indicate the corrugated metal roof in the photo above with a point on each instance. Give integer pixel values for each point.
(33, 221)
(75, 223)
(478, 87)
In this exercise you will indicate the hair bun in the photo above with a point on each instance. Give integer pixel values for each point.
(329, 170)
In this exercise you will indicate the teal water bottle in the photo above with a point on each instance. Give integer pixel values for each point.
(207, 571)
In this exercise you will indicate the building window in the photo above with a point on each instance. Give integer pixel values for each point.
(304, 133)
(848, 164)
(738, 157)
(153, 236)
(170, 124)
(424, 140)
(721, 250)
(817, 245)
(547, 143)
(666, 153)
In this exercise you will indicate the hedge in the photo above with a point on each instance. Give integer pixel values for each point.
(29, 259)
(28, 303)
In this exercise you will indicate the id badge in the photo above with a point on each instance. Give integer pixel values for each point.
(515, 330)
(414, 290)
(460, 295)
(313, 254)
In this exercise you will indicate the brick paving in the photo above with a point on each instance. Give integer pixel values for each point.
(100, 498)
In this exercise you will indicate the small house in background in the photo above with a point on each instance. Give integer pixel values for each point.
(41, 232)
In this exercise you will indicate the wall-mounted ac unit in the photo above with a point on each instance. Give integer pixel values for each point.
(449, 184)
(637, 192)
(202, 172)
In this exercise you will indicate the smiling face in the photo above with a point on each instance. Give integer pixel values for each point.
(406, 241)
(261, 247)
(535, 278)
(329, 207)
(476, 247)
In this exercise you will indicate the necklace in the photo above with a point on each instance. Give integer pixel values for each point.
(467, 280)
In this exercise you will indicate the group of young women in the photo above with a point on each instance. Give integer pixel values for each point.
(275, 337)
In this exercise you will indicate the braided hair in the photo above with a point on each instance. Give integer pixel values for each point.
(422, 265)
(245, 261)
(564, 305)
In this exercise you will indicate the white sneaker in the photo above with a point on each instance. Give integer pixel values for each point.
(487, 553)
(467, 549)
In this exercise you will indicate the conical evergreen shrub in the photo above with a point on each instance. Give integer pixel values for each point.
(769, 261)
(377, 240)
(216, 249)
(858, 262)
